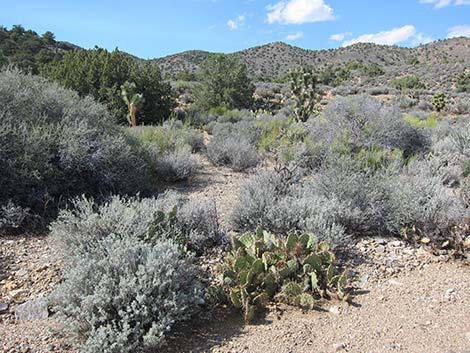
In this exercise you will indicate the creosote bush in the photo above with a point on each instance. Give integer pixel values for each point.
(55, 146)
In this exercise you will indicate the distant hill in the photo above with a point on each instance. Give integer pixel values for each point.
(275, 59)
(436, 64)
(28, 50)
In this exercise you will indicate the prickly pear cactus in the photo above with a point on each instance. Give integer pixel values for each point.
(262, 268)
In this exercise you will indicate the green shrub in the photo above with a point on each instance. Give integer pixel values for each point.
(55, 146)
(463, 82)
(224, 82)
(407, 82)
(101, 74)
(261, 268)
(126, 294)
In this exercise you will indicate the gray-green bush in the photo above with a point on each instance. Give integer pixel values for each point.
(78, 229)
(126, 294)
(55, 146)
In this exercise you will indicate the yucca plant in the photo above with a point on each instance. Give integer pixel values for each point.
(133, 100)
(305, 93)
(262, 268)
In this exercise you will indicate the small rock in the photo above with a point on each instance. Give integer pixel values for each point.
(449, 295)
(395, 243)
(43, 267)
(17, 293)
(335, 310)
(380, 241)
(394, 283)
(21, 273)
(425, 240)
(339, 347)
(381, 249)
(35, 309)
(4, 307)
(466, 243)
(9, 286)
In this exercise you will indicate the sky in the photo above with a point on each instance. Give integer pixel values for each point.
(150, 29)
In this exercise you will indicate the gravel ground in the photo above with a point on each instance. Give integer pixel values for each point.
(405, 300)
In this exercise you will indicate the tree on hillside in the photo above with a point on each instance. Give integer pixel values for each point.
(101, 74)
(224, 82)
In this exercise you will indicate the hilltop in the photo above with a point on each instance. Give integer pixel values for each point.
(274, 60)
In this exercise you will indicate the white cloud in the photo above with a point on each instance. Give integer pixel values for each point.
(394, 36)
(421, 38)
(236, 23)
(439, 4)
(295, 36)
(459, 31)
(338, 37)
(299, 11)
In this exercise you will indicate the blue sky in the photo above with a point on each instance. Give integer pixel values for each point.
(151, 29)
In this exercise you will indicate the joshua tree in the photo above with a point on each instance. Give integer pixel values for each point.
(133, 100)
(305, 93)
(439, 101)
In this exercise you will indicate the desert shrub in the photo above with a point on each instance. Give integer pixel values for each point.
(12, 217)
(126, 294)
(277, 202)
(236, 153)
(376, 91)
(79, 229)
(407, 82)
(463, 82)
(261, 268)
(348, 196)
(372, 69)
(170, 135)
(421, 200)
(355, 123)
(55, 146)
(465, 191)
(430, 121)
(461, 106)
(234, 144)
(177, 165)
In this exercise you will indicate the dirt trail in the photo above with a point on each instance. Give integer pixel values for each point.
(405, 299)
(425, 310)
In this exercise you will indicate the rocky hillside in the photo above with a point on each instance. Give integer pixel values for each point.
(276, 59)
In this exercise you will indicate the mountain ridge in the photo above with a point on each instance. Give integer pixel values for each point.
(277, 58)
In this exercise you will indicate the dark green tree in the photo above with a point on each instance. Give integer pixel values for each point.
(101, 74)
(224, 82)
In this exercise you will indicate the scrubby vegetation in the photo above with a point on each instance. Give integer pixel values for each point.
(56, 146)
(323, 163)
